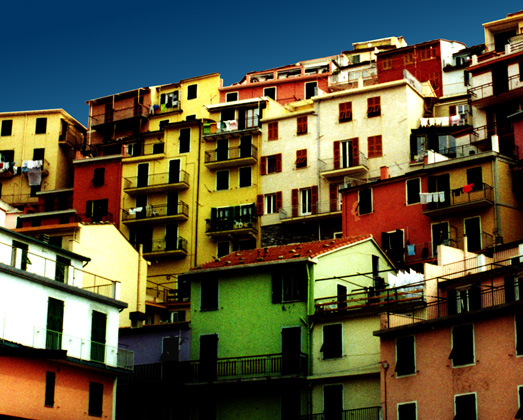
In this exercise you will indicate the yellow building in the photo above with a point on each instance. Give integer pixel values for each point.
(37, 153)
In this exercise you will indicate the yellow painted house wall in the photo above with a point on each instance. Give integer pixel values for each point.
(23, 140)
(113, 257)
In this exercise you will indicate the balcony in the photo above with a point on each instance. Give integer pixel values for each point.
(121, 117)
(489, 297)
(368, 413)
(489, 94)
(353, 80)
(458, 201)
(233, 222)
(175, 248)
(78, 348)
(58, 271)
(332, 169)
(370, 299)
(156, 214)
(71, 138)
(225, 129)
(156, 183)
(166, 290)
(454, 120)
(317, 211)
(231, 157)
(248, 368)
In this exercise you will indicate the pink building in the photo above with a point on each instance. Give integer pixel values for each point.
(460, 354)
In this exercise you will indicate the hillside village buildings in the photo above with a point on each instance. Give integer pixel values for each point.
(329, 239)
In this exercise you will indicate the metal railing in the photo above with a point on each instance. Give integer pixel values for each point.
(231, 126)
(231, 153)
(130, 150)
(156, 210)
(166, 289)
(72, 136)
(367, 413)
(40, 337)
(323, 207)
(134, 111)
(371, 298)
(166, 245)
(261, 366)
(488, 89)
(458, 198)
(153, 180)
(328, 164)
(55, 270)
(247, 221)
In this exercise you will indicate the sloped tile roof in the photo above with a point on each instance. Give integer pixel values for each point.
(282, 252)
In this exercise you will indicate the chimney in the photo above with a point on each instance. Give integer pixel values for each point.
(384, 172)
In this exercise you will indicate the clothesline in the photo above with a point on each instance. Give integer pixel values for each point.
(439, 196)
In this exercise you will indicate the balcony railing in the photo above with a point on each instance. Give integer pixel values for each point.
(440, 307)
(367, 413)
(221, 129)
(55, 270)
(166, 245)
(221, 157)
(457, 198)
(71, 137)
(332, 169)
(370, 299)
(77, 347)
(158, 181)
(165, 288)
(248, 367)
(490, 89)
(135, 111)
(325, 208)
(179, 210)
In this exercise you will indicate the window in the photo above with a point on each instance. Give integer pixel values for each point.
(462, 352)
(301, 158)
(169, 100)
(365, 201)
(519, 414)
(231, 96)
(55, 321)
(519, 333)
(270, 92)
(192, 91)
(407, 411)
(270, 164)
(472, 230)
(96, 394)
(305, 201)
(332, 402)
(409, 57)
(346, 153)
(209, 295)
(273, 131)
(311, 89)
(289, 286)
(185, 140)
(393, 242)
(512, 288)
(345, 112)
(222, 180)
(7, 128)
(413, 190)
(171, 345)
(222, 249)
(227, 114)
(252, 117)
(98, 333)
(386, 63)
(19, 256)
(435, 80)
(474, 176)
(427, 53)
(332, 341)
(98, 177)
(96, 210)
(374, 145)
(50, 380)
(301, 125)
(245, 176)
(373, 107)
(158, 148)
(62, 269)
(41, 126)
(405, 356)
(38, 154)
(273, 203)
(447, 145)
(465, 407)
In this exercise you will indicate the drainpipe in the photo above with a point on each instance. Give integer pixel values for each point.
(498, 232)
(318, 136)
(385, 367)
(197, 203)
(139, 282)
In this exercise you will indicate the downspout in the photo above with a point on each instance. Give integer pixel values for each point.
(385, 367)
(317, 106)
(498, 232)
(197, 203)
(139, 279)
(310, 308)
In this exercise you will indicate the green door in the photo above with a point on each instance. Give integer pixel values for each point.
(55, 321)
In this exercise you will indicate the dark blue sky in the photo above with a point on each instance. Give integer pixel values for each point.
(58, 54)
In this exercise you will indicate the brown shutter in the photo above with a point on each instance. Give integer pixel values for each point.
(355, 152)
(452, 110)
(337, 154)
(259, 204)
(295, 202)
(263, 165)
(279, 200)
(333, 197)
(314, 199)
(278, 162)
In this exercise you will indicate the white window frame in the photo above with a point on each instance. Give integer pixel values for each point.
(473, 345)
(405, 403)
(467, 393)
(407, 191)
(270, 204)
(275, 91)
(240, 176)
(345, 151)
(305, 201)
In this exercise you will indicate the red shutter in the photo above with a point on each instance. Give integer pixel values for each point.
(279, 200)
(278, 162)
(259, 204)
(378, 146)
(452, 110)
(355, 152)
(314, 199)
(333, 197)
(295, 202)
(337, 154)
(263, 165)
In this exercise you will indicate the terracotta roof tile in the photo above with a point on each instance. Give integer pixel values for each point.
(282, 252)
